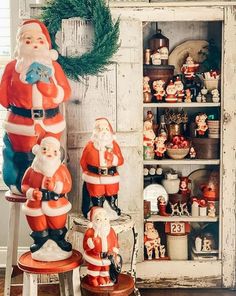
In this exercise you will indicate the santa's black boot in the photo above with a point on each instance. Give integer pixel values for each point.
(112, 203)
(40, 238)
(98, 201)
(58, 236)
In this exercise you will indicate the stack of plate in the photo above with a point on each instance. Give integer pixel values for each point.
(214, 129)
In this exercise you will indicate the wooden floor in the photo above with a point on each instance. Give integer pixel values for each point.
(53, 290)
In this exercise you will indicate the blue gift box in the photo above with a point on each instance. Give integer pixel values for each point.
(38, 72)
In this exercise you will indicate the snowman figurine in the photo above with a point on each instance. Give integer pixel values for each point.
(203, 92)
(215, 95)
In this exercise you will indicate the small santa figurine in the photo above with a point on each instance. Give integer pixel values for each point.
(152, 241)
(156, 57)
(158, 86)
(32, 87)
(190, 68)
(147, 96)
(100, 159)
(161, 202)
(211, 209)
(188, 96)
(160, 146)
(148, 134)
(45, 185)
(171, 92)
(183, 185)
(180, 89)
(202, 126)
(100, 244)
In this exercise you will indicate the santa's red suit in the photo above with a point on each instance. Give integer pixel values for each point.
(25, 132)
(95, 248)
(42, 215)
(101, 184)
(189, 70)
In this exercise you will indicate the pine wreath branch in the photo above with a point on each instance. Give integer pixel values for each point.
(106, 34)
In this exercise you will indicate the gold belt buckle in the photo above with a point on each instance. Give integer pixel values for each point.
(103, 171)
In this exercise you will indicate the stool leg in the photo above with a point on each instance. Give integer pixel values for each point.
(66, 283)
(12, 244)
(76, 281)
(30, 284)
(133, 260)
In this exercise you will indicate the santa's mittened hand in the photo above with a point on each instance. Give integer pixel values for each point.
(49, 184)
(109, 157)
(37, 195)
(90, 243)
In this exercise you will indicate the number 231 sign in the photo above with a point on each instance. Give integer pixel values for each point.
(177, 228)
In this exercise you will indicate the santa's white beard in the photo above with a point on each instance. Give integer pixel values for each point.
(47, 166)
(102, 140)
(102, 230)
(25, 56)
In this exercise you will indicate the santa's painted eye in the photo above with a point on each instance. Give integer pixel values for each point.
(55, 152)
(41, 42)
(27, 42)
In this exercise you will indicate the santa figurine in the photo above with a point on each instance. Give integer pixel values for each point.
(161, 202)
(171, 93)
(180, 89)
(45, 185)
(202, 126)
(190, 68)
(147, 96)
(101, 249)
(32, 87)
(160, 146)
(100, 159)
(158, 86)
(148, 134)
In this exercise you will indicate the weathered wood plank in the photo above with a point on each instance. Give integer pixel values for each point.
(229, 147)
(155, 13)
(179, 274)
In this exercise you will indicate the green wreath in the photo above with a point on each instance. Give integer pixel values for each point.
(106, 34)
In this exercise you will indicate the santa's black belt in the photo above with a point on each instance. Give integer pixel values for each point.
(102, 171)
(35, 113)
(50, 195)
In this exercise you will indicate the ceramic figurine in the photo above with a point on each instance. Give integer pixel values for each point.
(171, 182)
(100, 159)
(183, 185)
(198, 244)
(188, 96)
(45, 185)
(204, 93)
(156, 58)
(148, 134)
(190, 68)
(164, 52)
(202, 208)
(183, 209)
(202, 126)
(215, 95)
(158, 87)
(161, 202)
(180, 89)
(147, 96)
(171, 93)
(206, 245)
(160, 146)
(101, 249)
(195, 207)
(150, 116)
(152, 241)
(199, 97)
(211, 210)
(192, 153)
(32, 87)
(175, 209)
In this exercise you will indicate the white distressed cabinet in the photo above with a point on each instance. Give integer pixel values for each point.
(117, 95)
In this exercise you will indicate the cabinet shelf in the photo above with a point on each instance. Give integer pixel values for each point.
(181, 105)
(182, 161)
(158, 218)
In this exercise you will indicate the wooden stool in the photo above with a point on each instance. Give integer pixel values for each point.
(13, 234)
(124, 287)
(68, 271)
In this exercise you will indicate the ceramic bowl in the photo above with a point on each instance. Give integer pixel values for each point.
(177, 153)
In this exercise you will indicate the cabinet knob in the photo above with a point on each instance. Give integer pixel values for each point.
(226, 117)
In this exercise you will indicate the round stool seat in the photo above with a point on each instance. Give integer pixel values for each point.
(124, 287)
(27, 264)
(14, 197)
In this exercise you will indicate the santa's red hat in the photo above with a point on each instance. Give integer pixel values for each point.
(171, 83)
(94, 211)
(36, 25)
(101, 120)
(177, 79)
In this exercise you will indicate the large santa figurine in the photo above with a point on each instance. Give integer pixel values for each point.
(32, 87)
(99, 162)
(45, 185)
(100, 249)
